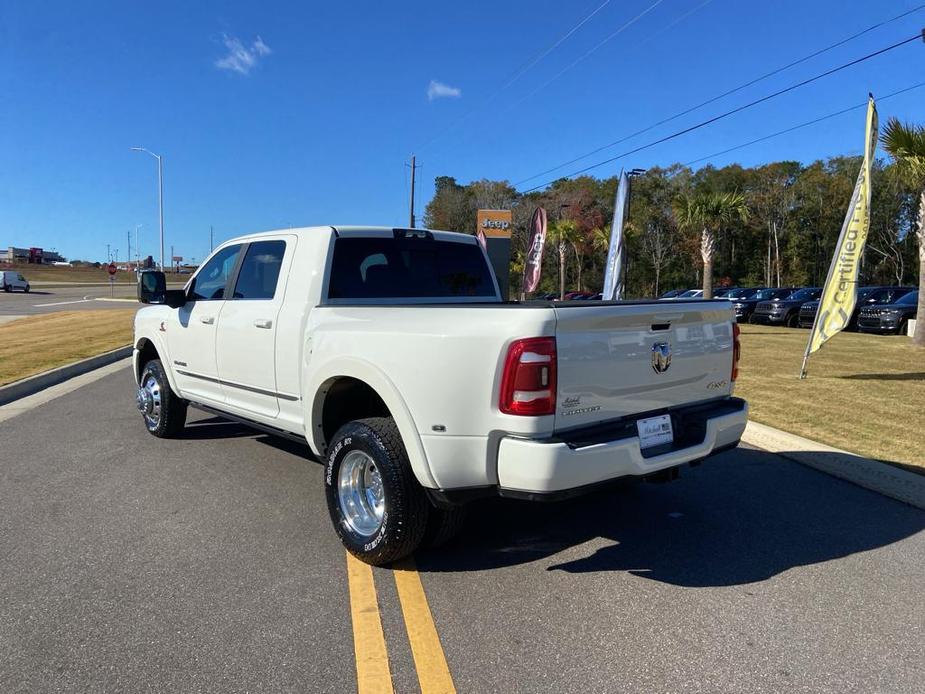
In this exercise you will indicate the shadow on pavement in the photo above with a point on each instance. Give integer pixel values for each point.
(743, 517)
(215, 428)
(219, 428)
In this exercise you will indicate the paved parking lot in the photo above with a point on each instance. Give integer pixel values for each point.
(207, 564)
(63, 298)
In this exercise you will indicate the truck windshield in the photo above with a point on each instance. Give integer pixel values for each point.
(393, 268)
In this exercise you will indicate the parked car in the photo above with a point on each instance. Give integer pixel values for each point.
(867, 296)
(578, 296)
(671, 294)
(724, 292)
(745, 300)
(11, 280)
(784, 310)
(690, 294)
(890, 318)
(391, 353)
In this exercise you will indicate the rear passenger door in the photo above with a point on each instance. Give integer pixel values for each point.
(246, 335)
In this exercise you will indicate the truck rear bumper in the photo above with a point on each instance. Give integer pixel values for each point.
(531, 467)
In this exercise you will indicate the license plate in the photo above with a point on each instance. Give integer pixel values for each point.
(655, 431)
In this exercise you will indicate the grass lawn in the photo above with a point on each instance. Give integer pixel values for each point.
(38, 343)
(864, 393)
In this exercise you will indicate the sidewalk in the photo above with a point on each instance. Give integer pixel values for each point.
(875, 475)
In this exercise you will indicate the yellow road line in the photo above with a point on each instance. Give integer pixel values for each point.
(373, 675)
(429, 660)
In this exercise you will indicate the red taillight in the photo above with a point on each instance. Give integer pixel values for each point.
(736, 352)
(528, 383)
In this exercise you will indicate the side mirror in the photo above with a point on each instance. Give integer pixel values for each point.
(152, 289)
(152, 286)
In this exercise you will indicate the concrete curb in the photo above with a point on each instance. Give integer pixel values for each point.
(883, 478)
(33, 384)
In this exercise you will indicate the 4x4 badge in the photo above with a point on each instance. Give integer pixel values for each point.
(661, 357)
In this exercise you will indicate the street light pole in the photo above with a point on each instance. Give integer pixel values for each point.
(138, 244)
(160, 193)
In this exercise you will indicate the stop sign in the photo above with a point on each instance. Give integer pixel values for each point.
(112, 269)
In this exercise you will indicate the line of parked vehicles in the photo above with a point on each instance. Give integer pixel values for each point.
(879, 309)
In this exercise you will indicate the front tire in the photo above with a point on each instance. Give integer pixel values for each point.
(793, 320)
(378, 509)
(903, 328)
(164, 413)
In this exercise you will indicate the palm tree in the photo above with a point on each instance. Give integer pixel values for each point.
(709, 212)
(563, 233)
(906, 144)
(600, 238)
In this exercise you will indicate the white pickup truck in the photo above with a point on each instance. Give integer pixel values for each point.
(391, 352)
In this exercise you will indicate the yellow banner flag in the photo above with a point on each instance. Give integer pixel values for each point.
(839, 296)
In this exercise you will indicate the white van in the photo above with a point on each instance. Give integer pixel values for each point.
(10, 280)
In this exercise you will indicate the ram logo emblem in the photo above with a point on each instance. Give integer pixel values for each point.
(661, 357)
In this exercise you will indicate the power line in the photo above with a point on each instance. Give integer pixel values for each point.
(613, 35)
(731, 112)
(804, 125)
(521, 71)
(725, 94)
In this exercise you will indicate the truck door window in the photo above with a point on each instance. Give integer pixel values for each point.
(209, 283)
(259, 272)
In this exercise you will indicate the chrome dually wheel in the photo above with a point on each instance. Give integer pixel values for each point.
(377, 506)
(164, 413)
(148, 400)
(360, 493)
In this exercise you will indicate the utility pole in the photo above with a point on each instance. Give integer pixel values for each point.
(128, 247)
(138, 244)
(108, 254)
(414, 168)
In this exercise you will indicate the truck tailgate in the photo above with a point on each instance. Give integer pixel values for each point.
(618, 360)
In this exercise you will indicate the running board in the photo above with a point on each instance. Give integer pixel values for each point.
(265, 428)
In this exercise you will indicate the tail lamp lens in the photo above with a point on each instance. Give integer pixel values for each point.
(528, 382)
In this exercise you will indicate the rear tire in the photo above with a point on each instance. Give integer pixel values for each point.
(7, 288)
(378, 509)
(443, 525)
(164, 413)
(903, 328)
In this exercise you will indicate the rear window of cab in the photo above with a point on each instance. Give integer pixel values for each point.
(398, 268)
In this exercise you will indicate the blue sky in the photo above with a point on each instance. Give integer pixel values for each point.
(277, 114)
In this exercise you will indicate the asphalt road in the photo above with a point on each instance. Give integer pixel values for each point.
(208, 564)
(60, 298)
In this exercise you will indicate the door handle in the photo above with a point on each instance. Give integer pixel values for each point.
(208, 320)
(265, 323)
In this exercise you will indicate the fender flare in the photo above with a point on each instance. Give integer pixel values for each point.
(315, 391)
(161, 349)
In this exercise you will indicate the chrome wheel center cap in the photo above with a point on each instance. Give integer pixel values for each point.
(144, 401)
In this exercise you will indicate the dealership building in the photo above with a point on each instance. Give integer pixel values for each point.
(34, 256)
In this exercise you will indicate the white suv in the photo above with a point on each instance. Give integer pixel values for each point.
(10, 280)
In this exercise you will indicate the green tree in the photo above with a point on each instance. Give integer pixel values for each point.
(710, 212)
(906, 145)
(563, 234)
